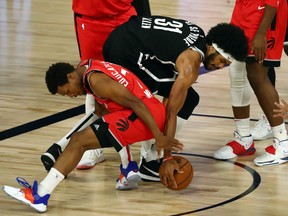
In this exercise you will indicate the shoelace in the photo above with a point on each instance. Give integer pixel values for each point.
(27, 188)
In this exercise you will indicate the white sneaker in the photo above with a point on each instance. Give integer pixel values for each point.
(262, 129)
(123, 184)
(239, 146)
(90, 158)
(275, 154)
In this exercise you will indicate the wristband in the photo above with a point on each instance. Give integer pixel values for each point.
(169, 158)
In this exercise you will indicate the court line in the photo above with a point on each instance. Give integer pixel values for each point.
(255, 183)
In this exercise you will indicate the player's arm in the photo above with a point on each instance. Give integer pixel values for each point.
(187, 65)
(259, 41)
(105, 87)
(100, 110)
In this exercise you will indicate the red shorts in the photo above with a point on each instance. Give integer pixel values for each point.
(122, 128)
(248, 14)
(91, 33)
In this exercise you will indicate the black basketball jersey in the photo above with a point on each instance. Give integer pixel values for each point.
(149, 46)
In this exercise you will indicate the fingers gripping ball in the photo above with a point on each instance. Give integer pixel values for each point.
(185, 178)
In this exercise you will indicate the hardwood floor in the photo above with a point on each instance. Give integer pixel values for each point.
(36, 33)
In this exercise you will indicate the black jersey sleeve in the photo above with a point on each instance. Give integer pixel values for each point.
(166, 38)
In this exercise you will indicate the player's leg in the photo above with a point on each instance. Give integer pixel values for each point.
(267, 95)
(262, 129)
(242, 144)
(142, 7)
(91, 157)
(37, 196)
(50, 156)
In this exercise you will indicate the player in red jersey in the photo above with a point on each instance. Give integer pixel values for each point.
(264, 24)
(134, 114)
(93, 21)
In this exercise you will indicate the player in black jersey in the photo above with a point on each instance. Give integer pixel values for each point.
(166, 54)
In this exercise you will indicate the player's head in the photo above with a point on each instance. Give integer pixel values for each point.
(62, 78)
(226, 42)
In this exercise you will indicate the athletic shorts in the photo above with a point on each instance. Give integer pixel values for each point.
(248, 14)
(122, 128)
(91, 33)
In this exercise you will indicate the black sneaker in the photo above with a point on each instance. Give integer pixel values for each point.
(50, 156)
(149, 171)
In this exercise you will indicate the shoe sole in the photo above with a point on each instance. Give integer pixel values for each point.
(134, 179)
(85, 166)
(263, 138)
(271, 163)
(24, 201)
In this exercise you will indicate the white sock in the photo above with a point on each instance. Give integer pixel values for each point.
(49, 183)
(280, 132)
(148, 148)
(243, 126)
(126, 156)
(88, 119)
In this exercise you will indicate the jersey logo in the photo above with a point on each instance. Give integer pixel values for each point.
(123, 125)
(271, 43)
(261, 8)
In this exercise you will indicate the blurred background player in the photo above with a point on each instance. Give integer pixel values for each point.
(94, 20)
(269, 19)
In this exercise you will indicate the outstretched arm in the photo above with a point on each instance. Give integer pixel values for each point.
(187, 65)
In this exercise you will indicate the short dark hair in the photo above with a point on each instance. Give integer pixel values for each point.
(230, 38)
(56, 75)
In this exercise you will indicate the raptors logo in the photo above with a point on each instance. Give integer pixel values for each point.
(123, 125)
(271, 43)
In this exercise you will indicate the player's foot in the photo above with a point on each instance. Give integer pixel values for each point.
(149, 171)
(123, 184)
(239, 146)
(50, 156)
(262, 129)
(131, 173)
(28, 195)
(90, 158)
(274, 154)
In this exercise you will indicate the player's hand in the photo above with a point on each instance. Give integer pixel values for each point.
(170, 143)
(168, 168)
(282, 110)
(259, 47)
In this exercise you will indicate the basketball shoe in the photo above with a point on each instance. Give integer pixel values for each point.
(239, 146)
(129, 177)
(149, 171)
(123, 184)
(262, 129)
(274, 154)
(90, 158)
(28, 195)
(50, 156)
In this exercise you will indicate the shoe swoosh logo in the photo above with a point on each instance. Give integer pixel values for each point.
(261, 8)
(153, 172)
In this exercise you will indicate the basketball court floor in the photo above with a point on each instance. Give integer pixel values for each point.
(36, 33)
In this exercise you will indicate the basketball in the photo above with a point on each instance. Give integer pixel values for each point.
(185, 178)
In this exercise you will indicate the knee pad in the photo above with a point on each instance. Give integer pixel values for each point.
(192, 100)
(240, 88)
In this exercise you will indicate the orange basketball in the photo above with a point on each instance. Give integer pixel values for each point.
(185, 178)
